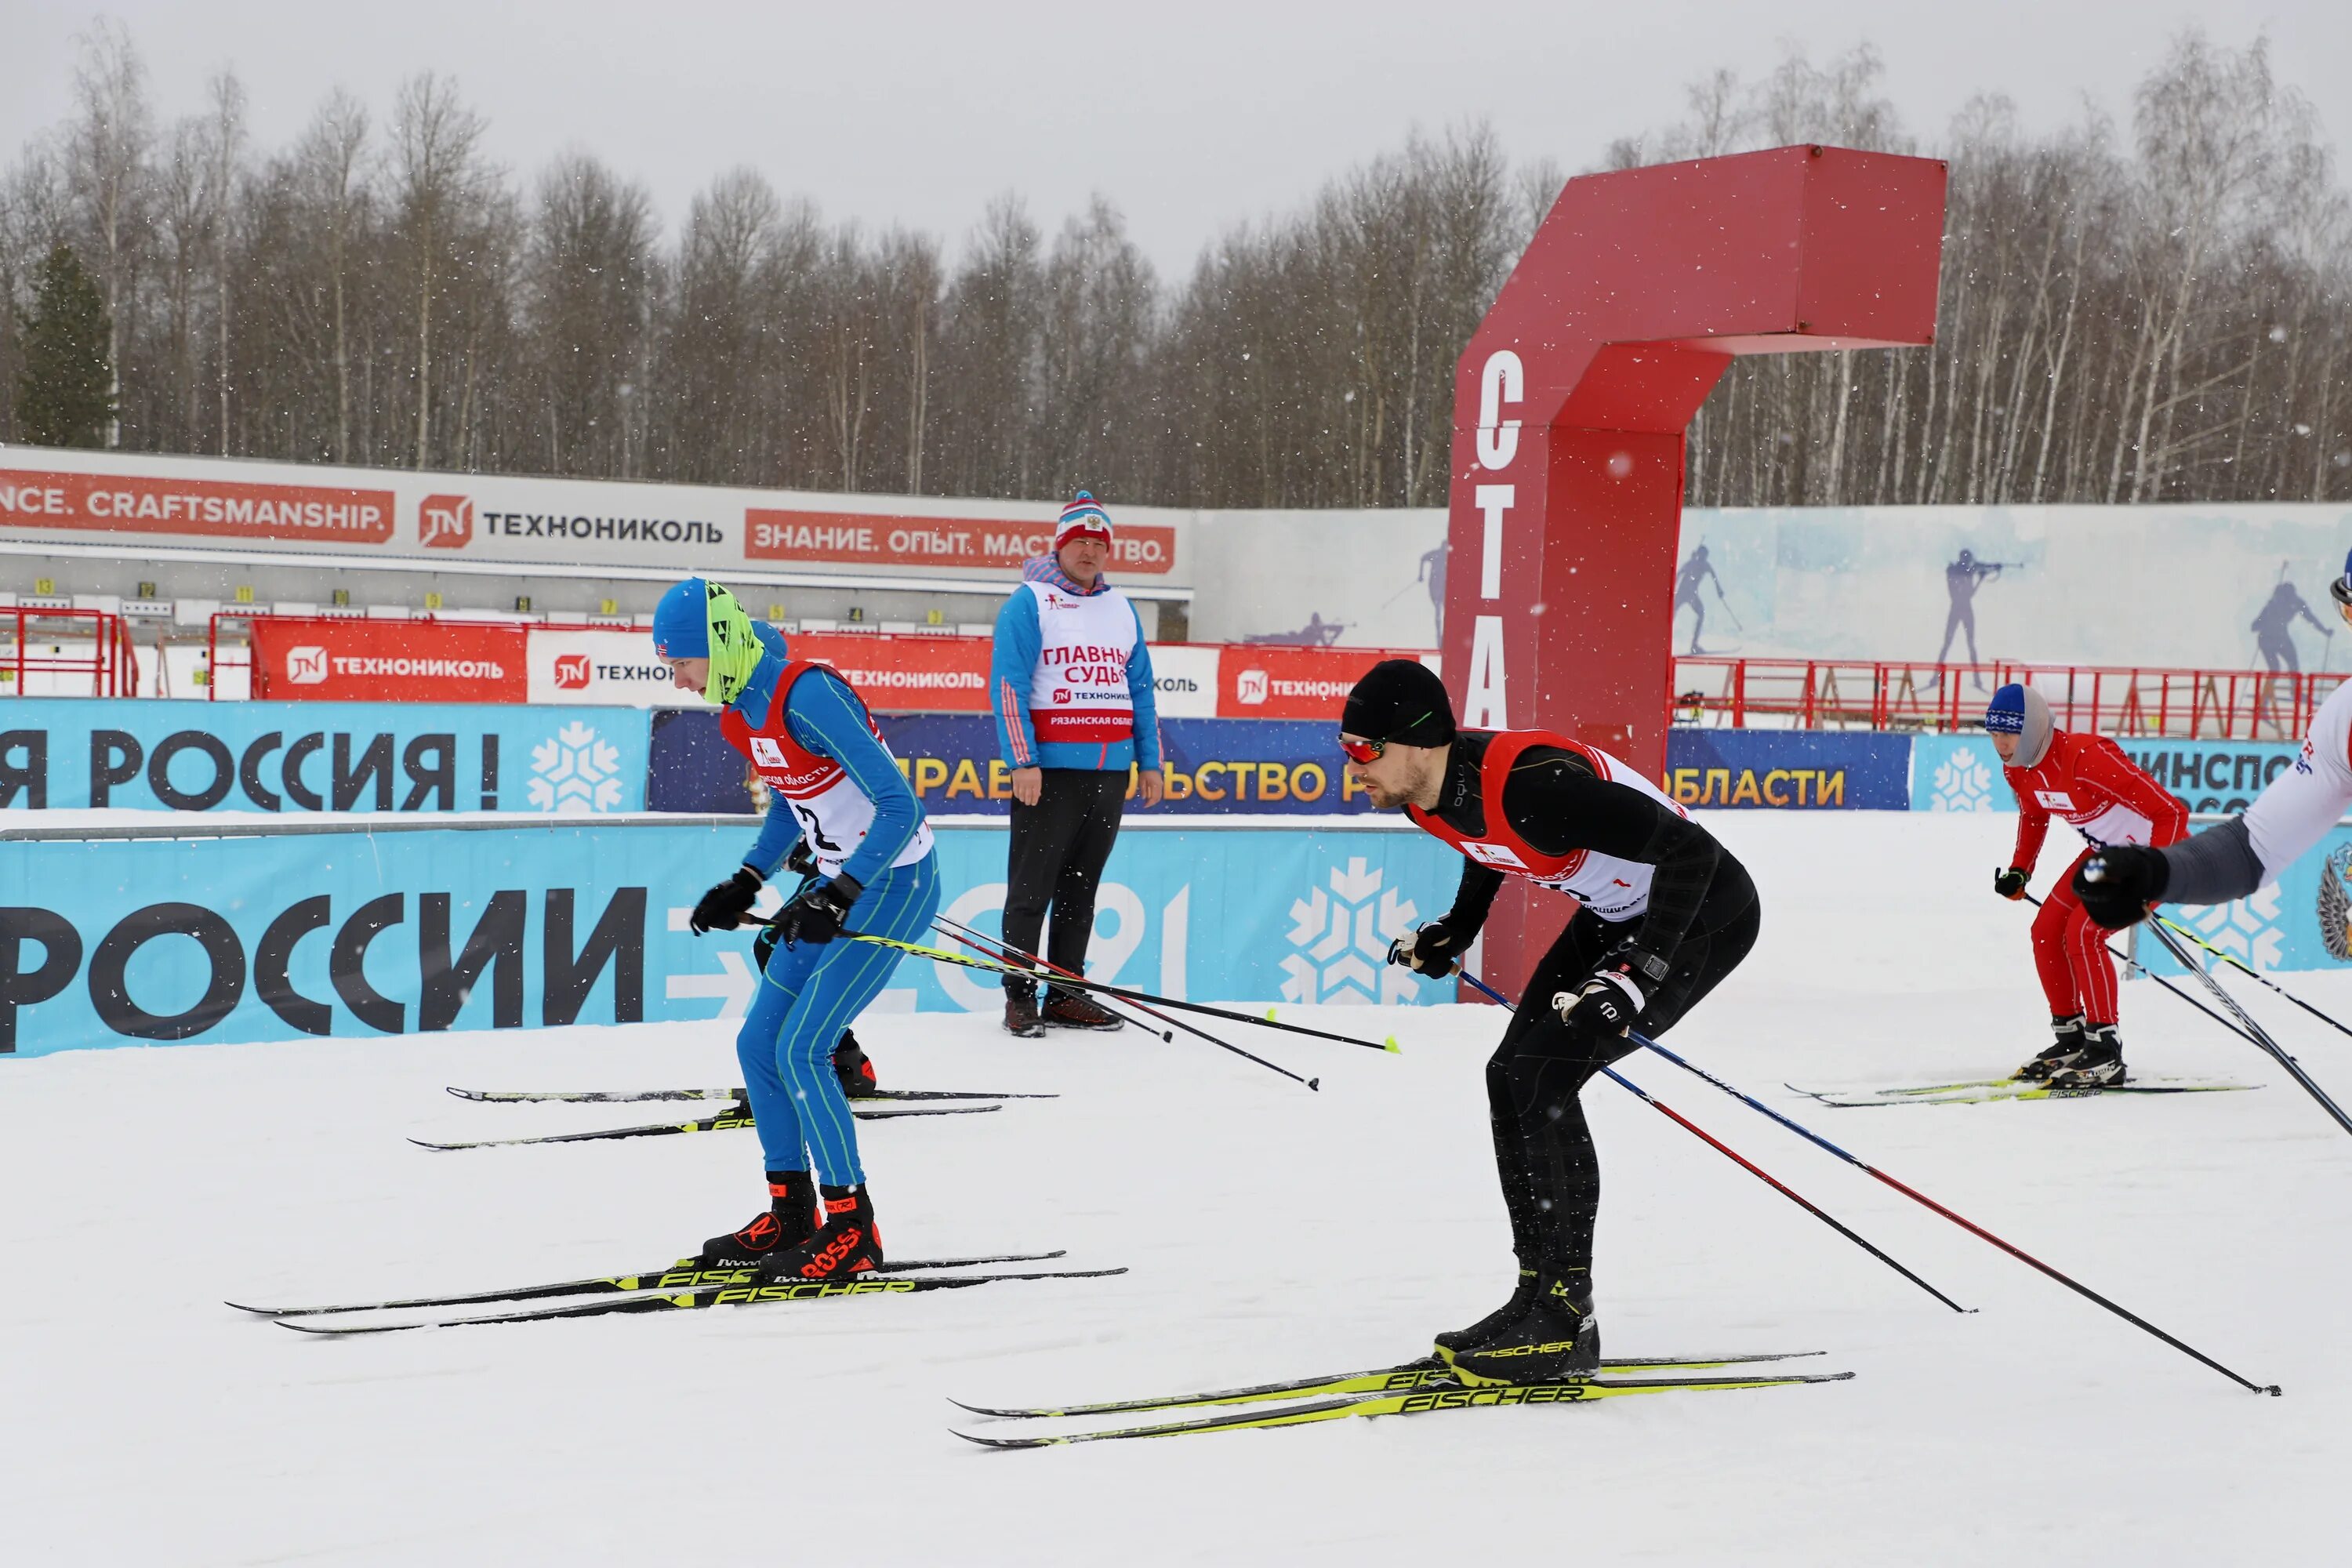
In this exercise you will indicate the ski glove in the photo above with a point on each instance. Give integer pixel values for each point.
(2116, 886)
(2011, 884)
(818, 911)
(724, 907)
(1434, 950)
(1613, 997)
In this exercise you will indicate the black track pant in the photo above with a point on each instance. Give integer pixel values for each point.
(1060, 846)
(1543, 1150)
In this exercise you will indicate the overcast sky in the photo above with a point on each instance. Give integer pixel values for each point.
(1191, 117)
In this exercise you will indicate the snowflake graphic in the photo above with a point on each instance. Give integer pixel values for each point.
(2247, 929)
(1962, 784)
(576, 771)
(1343, 936)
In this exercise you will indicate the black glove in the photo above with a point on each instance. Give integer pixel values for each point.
(802, 861)
(817, 911)
(724, 907)
(2011, 884)
(1432, 950)
(1609, 1002)
(2116, 886)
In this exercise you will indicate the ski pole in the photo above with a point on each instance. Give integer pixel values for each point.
(2113, 951)
(1747, 1164)
(972, 939)
(2252, 1030)
(1126, 994)
(1979, 1232)
(2232, 960)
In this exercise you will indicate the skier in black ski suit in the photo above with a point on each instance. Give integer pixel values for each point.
(1665, 914)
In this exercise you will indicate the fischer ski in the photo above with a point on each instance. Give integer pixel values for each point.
(711, 1296)
(634, 1096)
(2002, 1089)
(680, 1275)
(1421, 1402)
(1429, 1372)
(728, 1120)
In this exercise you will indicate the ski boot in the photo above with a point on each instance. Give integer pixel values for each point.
(2099, 1064)
(854, 1067)
(1523, 1295)
(1556, 1340)
(788, 1220)
(2069, 1033)
(1021, 1012)
(845, 1246)
(1076, 1010)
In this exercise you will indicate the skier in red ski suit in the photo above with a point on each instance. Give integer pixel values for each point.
(2087, 780)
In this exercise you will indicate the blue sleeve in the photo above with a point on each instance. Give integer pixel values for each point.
(826, 716)
(1012, 667)
(778, 834)
(1140, 692)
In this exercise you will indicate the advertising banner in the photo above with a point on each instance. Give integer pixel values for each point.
(106, 944)
(1213, 766)
(1275, 682)
(214, 508)
(166, 755)
(1777, 770)
(871, 539)
(904, 674)
(388, 662)
(614, 668)
(1184, 680)
(1963, 773)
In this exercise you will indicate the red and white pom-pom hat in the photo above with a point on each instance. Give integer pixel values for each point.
(1083, 519)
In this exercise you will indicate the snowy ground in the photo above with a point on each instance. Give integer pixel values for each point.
(1270, 1233)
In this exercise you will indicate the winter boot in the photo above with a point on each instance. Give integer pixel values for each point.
(790, 1219)
(1523, 1295)
(1556, 1340)
(2098, 1065)
(2069, 1033)
(846, 1245)
(855, 1067)
(1021, 1012)
(1076, 1010)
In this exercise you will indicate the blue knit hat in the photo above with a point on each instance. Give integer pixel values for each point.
(2006, 716)
(2342, 587)
(682, 621)
(1082, 519)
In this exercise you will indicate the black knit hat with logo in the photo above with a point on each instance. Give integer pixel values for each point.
(1400, 700)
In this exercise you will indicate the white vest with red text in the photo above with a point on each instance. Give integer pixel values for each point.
(1078, 692)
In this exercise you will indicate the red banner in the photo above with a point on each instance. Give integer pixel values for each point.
(869, 539)
(904, 674)
(1259, 680)
(114, 503)
(389, 661)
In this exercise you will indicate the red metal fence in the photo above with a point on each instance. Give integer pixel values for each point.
(67, 644)
(2142, 701)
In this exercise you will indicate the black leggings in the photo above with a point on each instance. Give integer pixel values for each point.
(1060, 846)
(1543, 1150)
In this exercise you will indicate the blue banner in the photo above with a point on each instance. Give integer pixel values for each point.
(1963, 773)
(168, 756)
(266, 938)
(1215, 766)
(1788, 770)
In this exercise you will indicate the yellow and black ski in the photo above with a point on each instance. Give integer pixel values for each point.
(1421, 1402)
(712, 1296)
(1427, 1373)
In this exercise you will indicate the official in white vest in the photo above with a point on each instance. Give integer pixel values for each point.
(1070, 683)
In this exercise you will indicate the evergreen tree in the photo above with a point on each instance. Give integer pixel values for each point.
(63, 392)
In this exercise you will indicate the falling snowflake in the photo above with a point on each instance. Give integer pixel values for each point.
(1962, 784)
(576, 771)
(1343, 936)
(2247, 929)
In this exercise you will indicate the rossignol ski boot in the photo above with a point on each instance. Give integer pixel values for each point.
(789, 1219)
(845, 1246)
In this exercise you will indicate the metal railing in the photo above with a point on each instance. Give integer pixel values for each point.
(2145, 701)
(92, 643)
